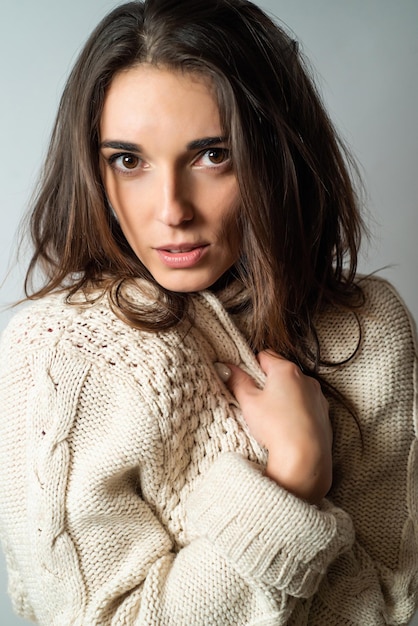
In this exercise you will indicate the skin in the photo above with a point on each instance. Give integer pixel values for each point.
(167, 193)
(169, 177)
(289, 417)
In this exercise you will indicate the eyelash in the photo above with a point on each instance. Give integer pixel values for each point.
(223, 151)
(112, 160)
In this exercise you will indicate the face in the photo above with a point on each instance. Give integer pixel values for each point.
(168, 175)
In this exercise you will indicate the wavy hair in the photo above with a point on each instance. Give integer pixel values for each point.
(299, 215)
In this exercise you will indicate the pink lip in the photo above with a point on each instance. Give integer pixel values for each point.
(181, 256)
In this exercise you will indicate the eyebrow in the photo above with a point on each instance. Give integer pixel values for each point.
(205, 142)
(121, 145)
(196, 144)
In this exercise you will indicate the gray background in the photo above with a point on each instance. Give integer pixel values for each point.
(365, 55)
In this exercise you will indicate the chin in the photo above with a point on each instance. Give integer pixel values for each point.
(186, 284)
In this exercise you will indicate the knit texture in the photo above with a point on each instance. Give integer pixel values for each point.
(131, 492)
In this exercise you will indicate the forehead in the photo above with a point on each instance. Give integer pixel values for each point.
(154, 99)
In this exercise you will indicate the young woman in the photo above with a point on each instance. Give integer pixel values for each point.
(206, 417)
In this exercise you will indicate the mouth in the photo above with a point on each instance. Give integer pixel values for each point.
(177, 250)
(182, 256)
(181, 248)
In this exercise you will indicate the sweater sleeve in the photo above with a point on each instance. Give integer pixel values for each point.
(376, 473)
(243, 565)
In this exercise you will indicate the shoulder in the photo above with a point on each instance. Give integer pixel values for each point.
(382, 325)
(371, 352)
(382, 300)
(44, 322)
(91, 331)
(30, 329)
(388, 341)
(84, 334)
(32, 323)
(386, 322)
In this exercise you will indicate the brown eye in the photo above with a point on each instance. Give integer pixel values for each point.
(214, 158)
(217, 155)
(126, 163)
(129, 161)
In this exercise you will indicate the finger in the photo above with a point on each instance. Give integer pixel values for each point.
(224, 372)
(266, 358)
(238, 381)
(273, 363)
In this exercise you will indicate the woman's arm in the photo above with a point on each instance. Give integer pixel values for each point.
(81, 476)
(376, 459)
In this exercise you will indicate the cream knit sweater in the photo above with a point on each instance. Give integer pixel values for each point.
(131, 492)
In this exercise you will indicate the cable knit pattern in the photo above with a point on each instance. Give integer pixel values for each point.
(132, 493)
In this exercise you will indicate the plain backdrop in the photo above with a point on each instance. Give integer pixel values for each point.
(365, 57)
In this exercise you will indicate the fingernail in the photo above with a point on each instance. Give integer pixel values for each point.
(223, 371)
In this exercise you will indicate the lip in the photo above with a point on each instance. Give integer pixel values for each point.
(181, 255)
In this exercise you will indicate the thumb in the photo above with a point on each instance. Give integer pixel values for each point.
(238, 381)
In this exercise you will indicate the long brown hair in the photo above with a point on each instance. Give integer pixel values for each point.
(299, 217)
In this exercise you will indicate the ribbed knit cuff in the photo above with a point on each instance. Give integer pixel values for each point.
(268, 534)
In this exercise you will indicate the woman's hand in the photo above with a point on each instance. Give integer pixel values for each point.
(289, 417)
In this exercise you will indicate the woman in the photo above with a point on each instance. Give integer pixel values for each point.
(168, 456)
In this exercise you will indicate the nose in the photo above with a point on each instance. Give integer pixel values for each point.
(174, 204)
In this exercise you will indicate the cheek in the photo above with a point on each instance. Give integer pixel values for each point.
(229, 237)
(119, 197)
(223, 201)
